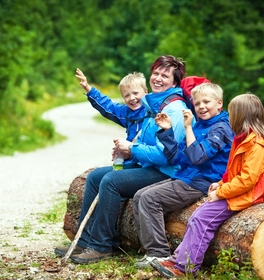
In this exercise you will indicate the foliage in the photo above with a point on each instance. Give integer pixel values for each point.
(43, 42)
(123, 265)
(228, 267)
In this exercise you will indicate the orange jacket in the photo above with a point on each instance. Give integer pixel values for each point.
(245, 179)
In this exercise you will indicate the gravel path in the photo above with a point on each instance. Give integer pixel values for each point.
(29, 182)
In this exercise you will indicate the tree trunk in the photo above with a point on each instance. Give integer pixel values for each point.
(243, 232)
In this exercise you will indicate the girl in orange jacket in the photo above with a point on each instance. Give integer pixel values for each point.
(241, 186)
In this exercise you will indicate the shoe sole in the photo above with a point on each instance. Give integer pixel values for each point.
(61, 253)
(86, 261)
(142, 265)
(162, 270)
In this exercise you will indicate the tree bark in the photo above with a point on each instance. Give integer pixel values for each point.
(243, 232)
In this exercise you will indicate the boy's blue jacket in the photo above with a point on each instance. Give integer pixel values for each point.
(148, 150)
(117, 112)
(205, 160)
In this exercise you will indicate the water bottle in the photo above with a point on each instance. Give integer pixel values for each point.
(118, 161)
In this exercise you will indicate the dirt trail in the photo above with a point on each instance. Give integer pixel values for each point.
(29, 182)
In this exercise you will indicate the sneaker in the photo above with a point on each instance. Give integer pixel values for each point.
(62, 251)
(89, 255)
(168, 271)
(146, 260)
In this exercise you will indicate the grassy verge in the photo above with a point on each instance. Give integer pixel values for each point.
(26, 130)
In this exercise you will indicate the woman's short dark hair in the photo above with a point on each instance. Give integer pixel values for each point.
(168, 61)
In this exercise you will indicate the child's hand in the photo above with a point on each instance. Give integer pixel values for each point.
(82, 78)
(187, 117)
(163, 121)
(213, 187)
(212, 196)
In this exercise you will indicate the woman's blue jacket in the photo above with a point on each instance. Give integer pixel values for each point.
(148, 150)
(205, 160)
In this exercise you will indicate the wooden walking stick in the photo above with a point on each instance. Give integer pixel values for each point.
(80, 230)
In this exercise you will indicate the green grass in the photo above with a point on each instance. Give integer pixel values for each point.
(55, 214)
(26, 130)
(122, 267)
(26, 229)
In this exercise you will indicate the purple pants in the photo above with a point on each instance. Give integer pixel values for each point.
(200, 230)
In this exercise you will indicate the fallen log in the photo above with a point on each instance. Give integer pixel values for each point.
(244, 232)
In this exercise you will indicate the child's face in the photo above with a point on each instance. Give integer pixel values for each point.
(132, 96)
(162, 79)
(206, 106)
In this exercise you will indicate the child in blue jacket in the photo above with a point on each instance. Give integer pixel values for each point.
(129, 115)
(202, 156)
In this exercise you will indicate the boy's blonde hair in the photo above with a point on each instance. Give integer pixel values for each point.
(211, 89)
(246, 113)
(132, 79)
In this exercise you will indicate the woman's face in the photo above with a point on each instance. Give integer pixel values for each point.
(162, 79)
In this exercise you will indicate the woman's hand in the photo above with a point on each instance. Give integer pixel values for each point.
(123, 145)
(163, 121)
(83, 80)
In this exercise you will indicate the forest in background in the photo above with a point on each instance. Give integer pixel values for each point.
(43, 42)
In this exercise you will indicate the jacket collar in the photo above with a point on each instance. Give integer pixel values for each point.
(223, 116)
(152, 101)
(249, 141)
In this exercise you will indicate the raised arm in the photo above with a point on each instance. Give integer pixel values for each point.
(188, 121)
(113, 111)
(83, 80)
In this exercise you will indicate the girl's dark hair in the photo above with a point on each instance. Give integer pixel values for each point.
(246, 113)
(168, 61)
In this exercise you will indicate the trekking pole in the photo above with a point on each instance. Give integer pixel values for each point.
(80, 230)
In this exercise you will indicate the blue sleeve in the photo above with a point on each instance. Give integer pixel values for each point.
(115, 112)
(167, 138)
(217, 139)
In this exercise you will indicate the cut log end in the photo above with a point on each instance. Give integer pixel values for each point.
(257, 251)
